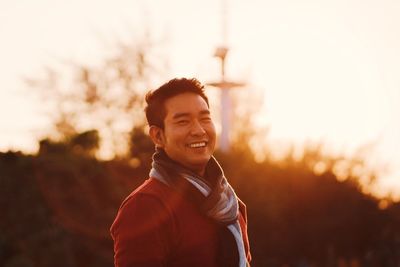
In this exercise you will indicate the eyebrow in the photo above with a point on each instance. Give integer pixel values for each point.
(185, 114)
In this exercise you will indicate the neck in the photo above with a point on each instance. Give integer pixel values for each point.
(199, 171)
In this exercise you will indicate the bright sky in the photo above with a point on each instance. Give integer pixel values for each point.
(329, 70)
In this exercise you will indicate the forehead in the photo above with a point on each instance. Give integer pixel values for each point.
(189, 103)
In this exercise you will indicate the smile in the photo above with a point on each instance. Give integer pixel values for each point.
(196, 145)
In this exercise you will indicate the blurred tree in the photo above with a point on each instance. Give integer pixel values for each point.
(87, 142)
(298, 211)
(28, 236)
(84, 144)
(141, 148)
(107, 97)
(58, 206)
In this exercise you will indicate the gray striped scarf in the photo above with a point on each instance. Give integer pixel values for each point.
(221, 202)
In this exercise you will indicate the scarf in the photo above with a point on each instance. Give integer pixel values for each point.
(214, 196)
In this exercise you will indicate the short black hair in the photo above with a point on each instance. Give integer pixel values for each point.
(155, 109)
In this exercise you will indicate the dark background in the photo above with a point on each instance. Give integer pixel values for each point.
(57, 207)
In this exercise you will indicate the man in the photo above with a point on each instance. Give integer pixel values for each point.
(186, 213)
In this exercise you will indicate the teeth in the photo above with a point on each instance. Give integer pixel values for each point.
(194, 145)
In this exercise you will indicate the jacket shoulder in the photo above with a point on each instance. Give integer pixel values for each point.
(150, 187)
(151, 194)
(144, 228)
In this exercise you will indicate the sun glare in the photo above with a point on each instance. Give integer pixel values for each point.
(328, 71)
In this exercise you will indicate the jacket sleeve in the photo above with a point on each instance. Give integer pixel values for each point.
(142, 233)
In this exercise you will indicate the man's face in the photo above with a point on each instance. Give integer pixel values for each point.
(189, 134)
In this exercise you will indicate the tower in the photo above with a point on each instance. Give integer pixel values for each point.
(224, 85)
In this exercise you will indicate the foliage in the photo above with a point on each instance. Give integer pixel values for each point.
(107, 97)
(296, 214)
(57, 207)
(85, 143)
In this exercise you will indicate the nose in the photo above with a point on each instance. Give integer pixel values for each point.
(197, 129)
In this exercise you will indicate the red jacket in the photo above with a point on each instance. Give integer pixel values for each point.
(156, 226)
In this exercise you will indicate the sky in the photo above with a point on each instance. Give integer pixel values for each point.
(327, 70)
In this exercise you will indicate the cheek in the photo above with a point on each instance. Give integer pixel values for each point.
(211, 130)
(174, 135)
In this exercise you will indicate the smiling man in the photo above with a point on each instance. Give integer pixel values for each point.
(186, 213)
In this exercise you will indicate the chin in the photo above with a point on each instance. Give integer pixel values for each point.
(199, 161)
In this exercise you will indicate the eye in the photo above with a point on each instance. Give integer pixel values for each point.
(182, 122)
(206, 119)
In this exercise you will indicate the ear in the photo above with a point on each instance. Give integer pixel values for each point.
(157, 135)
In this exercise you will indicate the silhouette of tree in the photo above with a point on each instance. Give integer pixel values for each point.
(85, 144)
(107, 97)
(57, 207)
